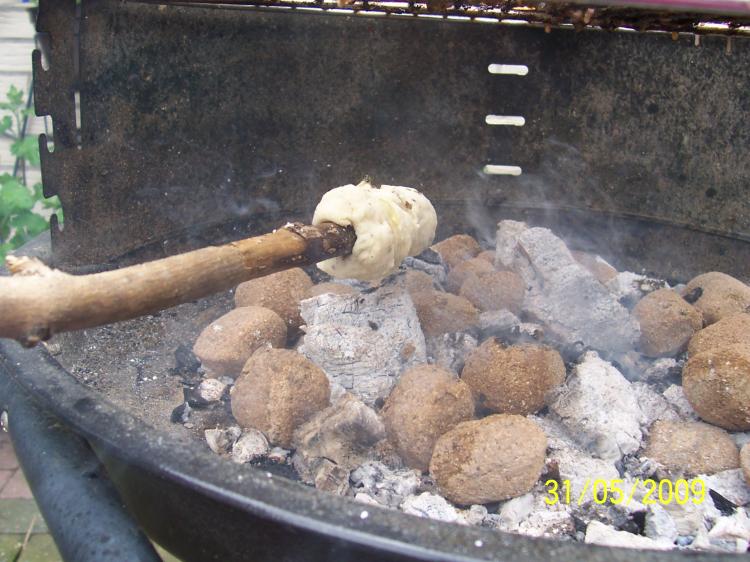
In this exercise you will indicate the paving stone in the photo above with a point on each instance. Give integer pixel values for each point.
(4, 477)
(8, 459)
(16, 487)
(16, 514)
(9, 547)
(40, 548)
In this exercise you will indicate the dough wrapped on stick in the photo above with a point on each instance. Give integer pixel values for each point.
(391, 223)
(378, 227)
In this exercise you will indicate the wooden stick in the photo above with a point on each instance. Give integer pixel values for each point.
(39, 301)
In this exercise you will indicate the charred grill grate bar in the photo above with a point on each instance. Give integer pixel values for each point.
(698, 16)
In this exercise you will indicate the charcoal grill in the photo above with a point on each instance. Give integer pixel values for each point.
(177, 125)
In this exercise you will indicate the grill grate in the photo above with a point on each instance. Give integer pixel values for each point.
(728, 17)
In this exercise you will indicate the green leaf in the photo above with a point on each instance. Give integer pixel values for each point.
(4, 249)
(52, 203)
(5, 124)
(15, 96)
(31, 223)
(26, 148)
(19, 239)
(14, 197)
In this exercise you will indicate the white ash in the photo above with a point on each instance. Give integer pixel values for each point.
(279, 455)
(581, 469)
(514, 511)
(554, 521)
(342, 434)
(498, 323)
(385, 486)
(733, 527)
(653, 405)
(659, 525)
(220, 441)
(675, 395)
(506, 242)
(475, 515)
(432, 506)
(601, 534)
(628, 287)
(363, 342)
(690, 518)
(730, 484)
(741, 438)
(661, 369)
(210, 390)
(703, 542)
(585, 404)
(558, 436)
(450, 350)
(530, 515)
(566, 297)
(337, 392)
(251, 446)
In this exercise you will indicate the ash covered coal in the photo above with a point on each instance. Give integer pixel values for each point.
(449, 392)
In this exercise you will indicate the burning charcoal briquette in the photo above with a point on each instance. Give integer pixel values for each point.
(457, 248)
(342, 434)
(482, 461)
(488, 256)
(730, 330)
(464, 270)
(601, 534)
(280, 292)
(431, 506)
(279, 455)
(221, 440)
(225, 345)
(717, 385)
(514, 379)
(426, 402)
(363, 342)
(206, 392)
(691, 448)
(251, 446)
(598, 407)
(450, 350)
(383, 485)
(730, 484)
(722, 295)
(332, 288)
(598, 267)
(278, 391)
(667, 323)
(497, 290)
(562, 294)
(416, 282)
(442, 313)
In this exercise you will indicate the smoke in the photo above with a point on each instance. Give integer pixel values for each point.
(560, 193)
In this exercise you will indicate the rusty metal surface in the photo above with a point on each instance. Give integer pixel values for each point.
(726, 17)
(202, 124)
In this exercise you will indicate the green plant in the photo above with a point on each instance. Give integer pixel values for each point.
(20, 205)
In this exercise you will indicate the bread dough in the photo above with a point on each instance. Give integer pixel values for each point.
(391, 222)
